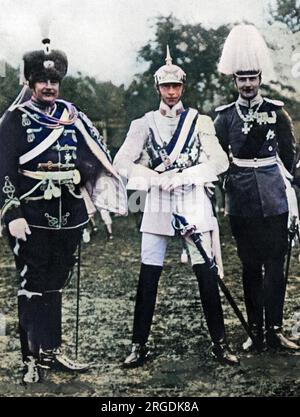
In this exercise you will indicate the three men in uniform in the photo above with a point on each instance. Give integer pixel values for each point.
(51, 150)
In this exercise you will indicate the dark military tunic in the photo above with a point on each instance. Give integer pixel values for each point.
(46, 201)
(256, 191)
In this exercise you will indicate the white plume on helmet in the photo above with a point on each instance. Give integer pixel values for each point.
(245, 50)
(169, 73)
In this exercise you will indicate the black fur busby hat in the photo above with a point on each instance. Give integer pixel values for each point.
(45, 64)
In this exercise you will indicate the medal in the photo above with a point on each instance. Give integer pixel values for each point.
(251, 116)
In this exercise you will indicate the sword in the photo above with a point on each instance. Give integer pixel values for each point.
(292, 232)
(181, 225)
(78, 298)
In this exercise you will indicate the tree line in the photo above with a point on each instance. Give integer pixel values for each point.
(194, 47)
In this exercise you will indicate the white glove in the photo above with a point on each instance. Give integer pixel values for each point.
(19, 228)
(142, 178)
(164, 178)
(171, 182)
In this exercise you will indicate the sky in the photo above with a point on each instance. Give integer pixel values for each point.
(102, 37)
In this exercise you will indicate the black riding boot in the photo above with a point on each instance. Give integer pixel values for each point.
(254, 302)
(52, 318)
(253, 294)
(31, 325)
(145, 302)
(143, 314)
(212, 308)
(211, 302)
(274, 291)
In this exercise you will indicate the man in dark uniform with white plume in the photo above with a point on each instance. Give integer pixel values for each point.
(257, 134)
(50, 154)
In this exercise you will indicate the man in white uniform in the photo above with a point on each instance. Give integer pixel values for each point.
(173, 154)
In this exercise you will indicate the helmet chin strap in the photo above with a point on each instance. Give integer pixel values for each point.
(170, 106)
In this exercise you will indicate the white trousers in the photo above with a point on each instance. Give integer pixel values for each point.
(154, 249)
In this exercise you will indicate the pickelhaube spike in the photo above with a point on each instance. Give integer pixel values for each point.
(168, 57)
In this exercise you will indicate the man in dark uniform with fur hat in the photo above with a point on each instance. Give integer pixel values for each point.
(49, 152)
(257, 133)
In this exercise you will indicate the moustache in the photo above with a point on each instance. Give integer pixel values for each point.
(48, 91)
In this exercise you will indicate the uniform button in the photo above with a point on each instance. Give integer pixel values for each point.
(270, 148)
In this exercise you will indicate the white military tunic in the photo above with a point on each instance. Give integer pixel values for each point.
(191, 200)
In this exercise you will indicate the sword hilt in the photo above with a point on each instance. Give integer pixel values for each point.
(181, 225)
(294, 227)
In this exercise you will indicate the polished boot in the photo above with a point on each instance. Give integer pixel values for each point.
(254, 293)
(30, 311)
(52, 331)
(222, 353)
(143, 313)
(145, 302)
(213, 312)
(276, 340)
(274, 292)
(211, 302)
(138, 356)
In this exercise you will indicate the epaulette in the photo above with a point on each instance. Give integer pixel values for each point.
(277, 103)
(225, 106)
(205, 125)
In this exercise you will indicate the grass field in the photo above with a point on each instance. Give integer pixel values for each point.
(181, 365)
